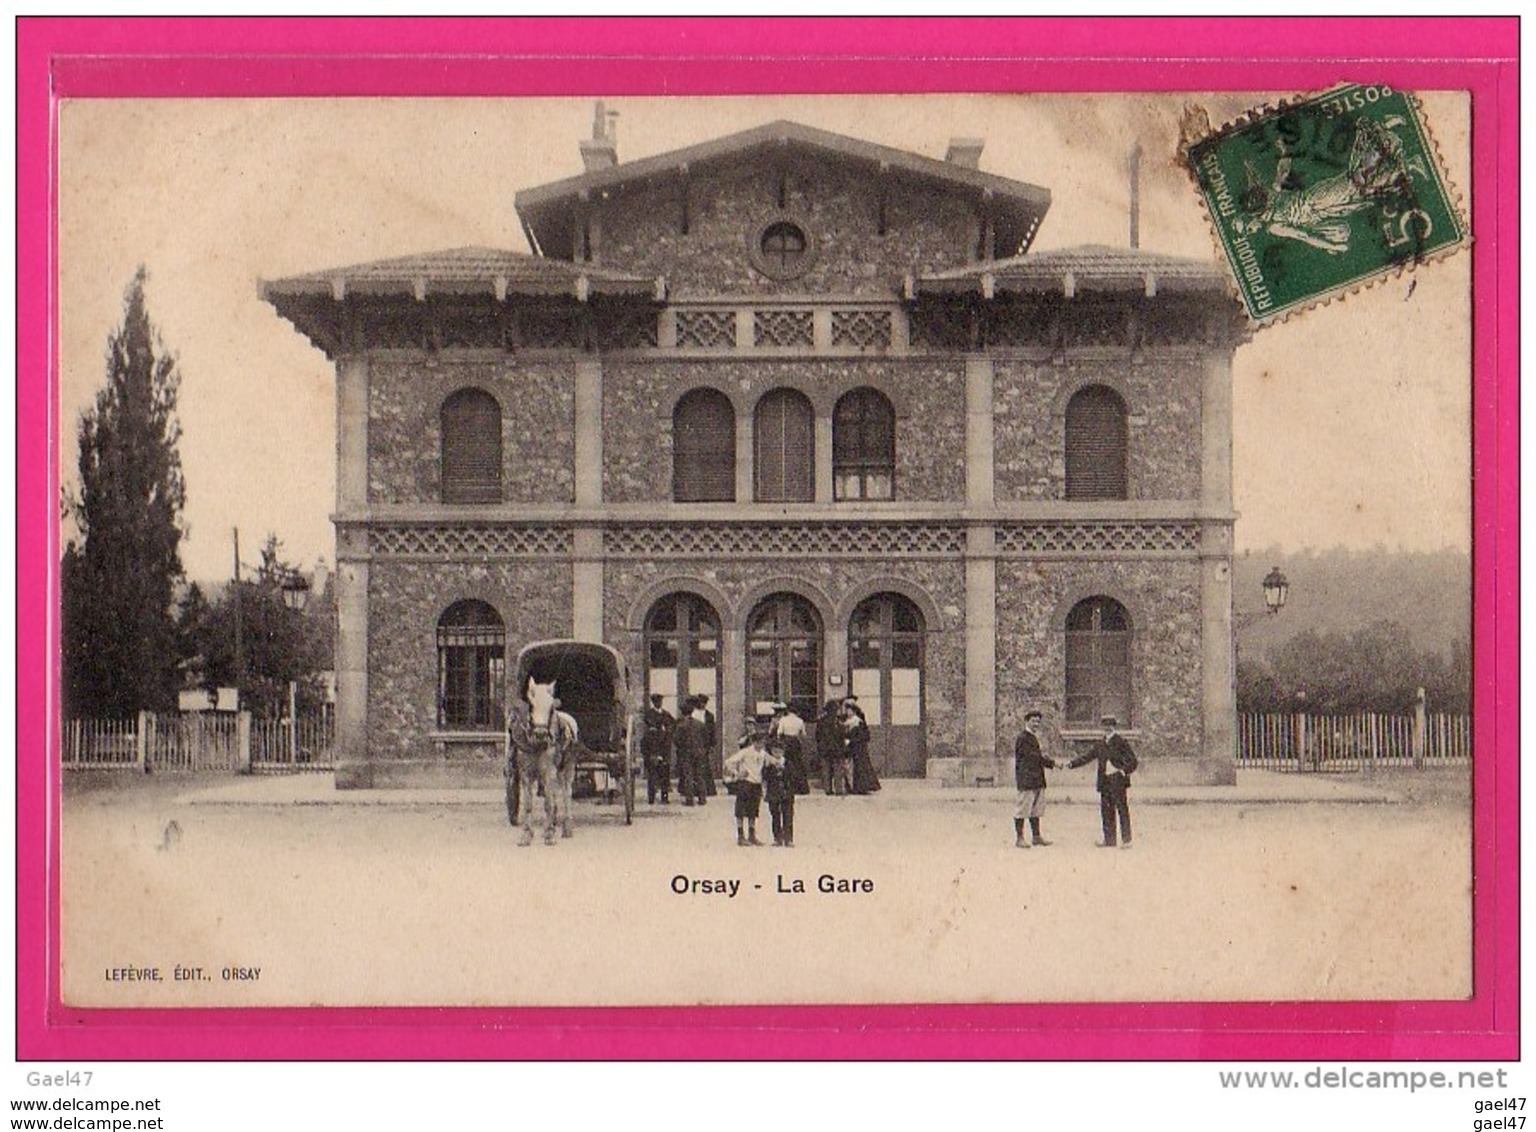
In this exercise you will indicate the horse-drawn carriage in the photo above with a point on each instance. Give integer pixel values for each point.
(569, 731)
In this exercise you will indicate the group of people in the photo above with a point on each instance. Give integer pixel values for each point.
(842, 749)
(772, 758)
(685, 743)
(1116, 763)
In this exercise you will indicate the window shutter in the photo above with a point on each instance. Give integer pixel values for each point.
(704, 448)
(864, 445)
(1096, 443)
(785, 448)
(471, 425)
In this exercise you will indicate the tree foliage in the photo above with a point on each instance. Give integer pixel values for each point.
(278, 645)
(1375, 668)
(119, 573)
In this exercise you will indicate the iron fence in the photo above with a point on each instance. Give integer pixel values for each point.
(1355, 742)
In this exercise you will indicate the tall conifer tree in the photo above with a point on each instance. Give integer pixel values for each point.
(120, 647)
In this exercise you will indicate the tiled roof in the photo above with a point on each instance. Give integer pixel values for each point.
(461, 270)
(1094, 266)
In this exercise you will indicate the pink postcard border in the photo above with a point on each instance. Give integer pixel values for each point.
(91, 58)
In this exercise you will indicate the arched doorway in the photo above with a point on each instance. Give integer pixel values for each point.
(885, 671)
(682, 654)
(784, 654)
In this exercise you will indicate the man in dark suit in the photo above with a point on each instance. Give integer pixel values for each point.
(691, 738)
(656, 751)
(1029, 764)
(1116, 763)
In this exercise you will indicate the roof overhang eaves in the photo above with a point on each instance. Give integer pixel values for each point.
(339, 287)
(1069, 281)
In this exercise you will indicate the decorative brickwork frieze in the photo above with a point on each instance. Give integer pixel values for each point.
(784, 328)
(1026, 539)
(722, 540)
(473, 541)
(706, 330)
(862, 329)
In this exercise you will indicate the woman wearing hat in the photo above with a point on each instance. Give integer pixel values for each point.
(865, 780)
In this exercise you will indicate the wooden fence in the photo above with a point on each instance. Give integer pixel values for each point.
(199, 741)
(1359, 742)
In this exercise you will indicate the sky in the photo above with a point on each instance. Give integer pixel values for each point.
(1351, 420)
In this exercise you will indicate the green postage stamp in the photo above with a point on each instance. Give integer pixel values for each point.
(1317, 197)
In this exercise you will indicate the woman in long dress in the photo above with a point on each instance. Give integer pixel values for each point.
(865, 780)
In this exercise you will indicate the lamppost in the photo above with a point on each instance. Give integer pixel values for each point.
(1277, 588)
(295, 590)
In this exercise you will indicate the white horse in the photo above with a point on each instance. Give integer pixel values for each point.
(542, 744)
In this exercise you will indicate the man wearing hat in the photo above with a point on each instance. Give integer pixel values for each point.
(691, 738)
(1029, 765)
(1116, 763)
(656, 752)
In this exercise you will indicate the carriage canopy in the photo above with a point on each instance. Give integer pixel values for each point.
(592, 684)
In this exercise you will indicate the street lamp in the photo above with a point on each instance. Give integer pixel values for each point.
(295, 587)
(1276, 589)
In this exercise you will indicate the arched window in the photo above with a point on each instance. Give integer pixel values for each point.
(471, 667)
(1098, 662)
(864, 446)
(784, 654)
(471, 438)
(1097, 439)
(682, 649)
(784, 447)
(704, 448)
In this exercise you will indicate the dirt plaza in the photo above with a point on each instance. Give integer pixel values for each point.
(284, 891)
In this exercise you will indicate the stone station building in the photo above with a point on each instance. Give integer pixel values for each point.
(785, 415)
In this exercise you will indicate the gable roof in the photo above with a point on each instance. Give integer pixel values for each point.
(1018, 206)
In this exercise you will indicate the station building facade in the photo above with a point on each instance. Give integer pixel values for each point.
(785, 415)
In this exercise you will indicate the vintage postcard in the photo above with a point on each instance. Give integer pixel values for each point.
(919, 405)
(812, 550)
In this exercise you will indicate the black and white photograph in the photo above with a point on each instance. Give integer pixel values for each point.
(679, 551)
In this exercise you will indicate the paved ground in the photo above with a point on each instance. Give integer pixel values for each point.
(1282, 887)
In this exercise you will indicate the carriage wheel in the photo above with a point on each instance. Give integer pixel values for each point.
(629, 777)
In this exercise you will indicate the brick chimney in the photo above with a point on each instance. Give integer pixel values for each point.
(602, 152)
(965, 152)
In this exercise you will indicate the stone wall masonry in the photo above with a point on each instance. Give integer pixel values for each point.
(928, 393)
(405, 396)
(405, 600)
(1163, 598)
(943, 581)
(1162, 392)
(838, 207)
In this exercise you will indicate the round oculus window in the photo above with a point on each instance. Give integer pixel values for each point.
(782, 249)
